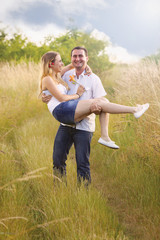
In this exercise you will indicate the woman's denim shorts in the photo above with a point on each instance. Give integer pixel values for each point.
(65, 112)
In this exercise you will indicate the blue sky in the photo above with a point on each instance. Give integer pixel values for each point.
(132, 27)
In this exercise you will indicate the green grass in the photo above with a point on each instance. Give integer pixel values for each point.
(42, 209)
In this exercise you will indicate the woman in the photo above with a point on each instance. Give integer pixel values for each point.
(67, 108)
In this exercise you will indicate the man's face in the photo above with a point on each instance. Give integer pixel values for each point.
(79, 59)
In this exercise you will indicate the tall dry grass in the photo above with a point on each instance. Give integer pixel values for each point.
(140, 84)
(19, 91)
(131, 174)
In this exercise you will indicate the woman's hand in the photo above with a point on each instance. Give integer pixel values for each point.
(88, 70)
(80, 90)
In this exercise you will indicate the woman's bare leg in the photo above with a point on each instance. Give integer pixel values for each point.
(104, 123)
(83, 108)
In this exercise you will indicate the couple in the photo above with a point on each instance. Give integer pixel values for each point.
(74, 99)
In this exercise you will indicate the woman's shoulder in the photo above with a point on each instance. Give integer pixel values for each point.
(47, 78)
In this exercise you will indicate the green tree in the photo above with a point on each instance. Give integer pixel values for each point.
(16, 47)
(19, 48)
(98, 60)
(3, 46)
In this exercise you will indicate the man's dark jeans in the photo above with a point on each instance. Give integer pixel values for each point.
(64, 139)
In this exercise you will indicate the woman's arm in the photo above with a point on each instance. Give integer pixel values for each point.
(70, 66)
(66, 68)
(51, 86)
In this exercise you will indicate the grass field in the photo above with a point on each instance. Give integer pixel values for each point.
(123, 201)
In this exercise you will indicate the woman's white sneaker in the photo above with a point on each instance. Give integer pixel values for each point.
(109, 144)
(139, 113)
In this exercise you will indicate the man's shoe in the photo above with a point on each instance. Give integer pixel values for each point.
(109, 144)
(140, 113)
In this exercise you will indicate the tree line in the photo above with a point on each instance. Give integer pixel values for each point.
(18, 48)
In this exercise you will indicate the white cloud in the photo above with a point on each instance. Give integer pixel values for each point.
(116, 53)
(100, 36)
(119, 54)
(35, 34)
(13, 5)
(7, 6)
(38, 34)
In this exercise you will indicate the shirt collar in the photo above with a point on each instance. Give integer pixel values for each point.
(82, 74)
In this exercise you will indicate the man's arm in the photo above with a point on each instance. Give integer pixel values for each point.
(95, 108)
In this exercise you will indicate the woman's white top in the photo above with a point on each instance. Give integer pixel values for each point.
(53, 101)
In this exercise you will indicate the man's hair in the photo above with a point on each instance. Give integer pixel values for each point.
(80, 48)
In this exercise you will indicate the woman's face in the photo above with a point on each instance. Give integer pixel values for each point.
(58, 64)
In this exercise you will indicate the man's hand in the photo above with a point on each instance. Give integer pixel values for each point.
(95, 108)
(45, 98)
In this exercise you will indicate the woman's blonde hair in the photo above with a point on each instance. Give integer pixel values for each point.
(46, 59)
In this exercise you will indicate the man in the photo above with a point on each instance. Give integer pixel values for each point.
(81, 133)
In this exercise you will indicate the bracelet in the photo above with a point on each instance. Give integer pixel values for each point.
(78, 95)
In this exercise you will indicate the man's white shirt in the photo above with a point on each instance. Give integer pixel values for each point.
(94, 89)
